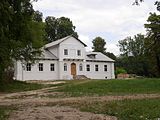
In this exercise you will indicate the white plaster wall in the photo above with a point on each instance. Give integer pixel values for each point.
(67, 74)
(72, 45)
(101, 74)
(35, 74)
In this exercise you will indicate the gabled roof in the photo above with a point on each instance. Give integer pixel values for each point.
(61, 40)
(98, 57)
(46, 54)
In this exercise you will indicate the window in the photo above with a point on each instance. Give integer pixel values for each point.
(65, 66)
(65, 52)
(96, 67)
(88, 67)
(40, 66)
(79, 52)
(52, 67)
(28, 67)
(80, 67)
(105, 67)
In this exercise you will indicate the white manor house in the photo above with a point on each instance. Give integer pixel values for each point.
(66, 59)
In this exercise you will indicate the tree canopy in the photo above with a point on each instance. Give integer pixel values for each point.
(99, 45)
(57, 28)
(17, 33)
(152, 41)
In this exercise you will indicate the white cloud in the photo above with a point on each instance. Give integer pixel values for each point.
(117, 19)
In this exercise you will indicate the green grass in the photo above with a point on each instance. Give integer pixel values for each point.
(111, 87)
(4, 112)
(146, 109)
(18, 86)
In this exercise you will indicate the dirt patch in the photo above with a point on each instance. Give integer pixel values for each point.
(56, 113)
(46, 82)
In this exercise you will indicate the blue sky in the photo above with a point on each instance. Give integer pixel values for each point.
(110, 19)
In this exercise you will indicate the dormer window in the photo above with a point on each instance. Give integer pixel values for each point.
(79, 52)
(65, 51)
(92, 56)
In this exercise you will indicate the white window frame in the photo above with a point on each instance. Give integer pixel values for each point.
(28, 67)
(80, 67)
(88, 67)
(65, 66)
(65, 51)
(78, 52)
(40, 66)
(52, 67)
(96, 68)
(105, 68)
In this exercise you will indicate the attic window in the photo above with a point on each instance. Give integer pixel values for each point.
(92, 56)
(65, 51)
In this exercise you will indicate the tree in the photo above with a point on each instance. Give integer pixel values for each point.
(157, 3)
(110, 55)
(38, 16)
(133, 57)
(17, 39)
(152, 42)
(57, 28)
(99, 45)
(132, 46)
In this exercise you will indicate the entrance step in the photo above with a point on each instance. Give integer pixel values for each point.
(80, 77)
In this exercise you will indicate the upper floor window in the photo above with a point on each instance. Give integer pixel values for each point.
(80, 67)
(79, 52)
(28, 67)
(88, 67)
(105, 67)
(65, 66)
(65, 51)
(52, 67)
(40, 66)
(96, 67)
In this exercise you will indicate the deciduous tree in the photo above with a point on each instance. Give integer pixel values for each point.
(57, 28)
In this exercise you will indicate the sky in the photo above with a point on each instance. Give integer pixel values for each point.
(113, 20)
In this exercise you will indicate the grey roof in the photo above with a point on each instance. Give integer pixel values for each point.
(98, 57)
(61, 40)
(46, 54)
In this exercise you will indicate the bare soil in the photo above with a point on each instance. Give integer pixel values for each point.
(32, 106)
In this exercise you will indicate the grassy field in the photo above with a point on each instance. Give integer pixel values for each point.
(145, 109)
(126, 109)
(18, 86)
(4, 112)
(111, 87)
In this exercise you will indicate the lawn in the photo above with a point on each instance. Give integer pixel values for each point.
(4, 112)
(111, 87)
(145, 109)
(18, 86)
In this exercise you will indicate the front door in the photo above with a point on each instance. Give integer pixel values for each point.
(73, 69)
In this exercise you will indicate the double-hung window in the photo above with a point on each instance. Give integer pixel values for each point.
(88, 67)
(96, 67)
(52, 67)
(28, 67)
(40, 66)
(105, 67)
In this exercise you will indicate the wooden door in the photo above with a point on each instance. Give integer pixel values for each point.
(73, 69)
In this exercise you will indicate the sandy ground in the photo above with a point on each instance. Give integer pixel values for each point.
(34, 105)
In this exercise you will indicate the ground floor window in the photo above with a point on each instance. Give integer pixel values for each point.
(96, 67)
(88, 67)
(28, 67)
(65, 66)
(105, 67)
(40, 66)
(80, 67)
(52, 67)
